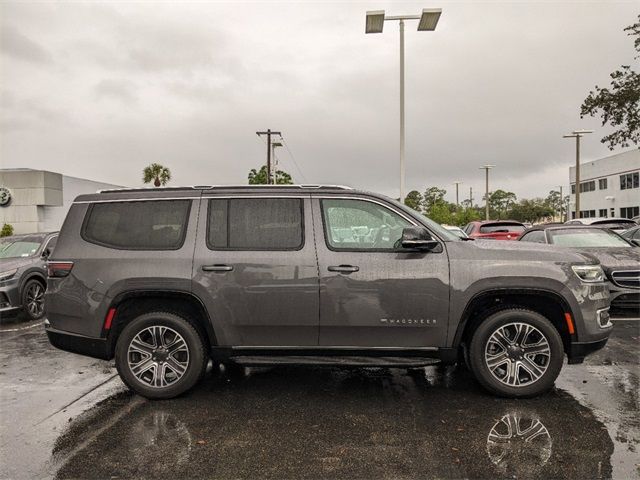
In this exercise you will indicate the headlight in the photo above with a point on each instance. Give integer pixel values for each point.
(7, 274)
(589, 273)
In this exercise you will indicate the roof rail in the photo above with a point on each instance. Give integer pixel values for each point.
(211, 187)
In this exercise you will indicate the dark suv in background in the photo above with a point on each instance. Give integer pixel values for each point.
(23, 273)
(164, 279)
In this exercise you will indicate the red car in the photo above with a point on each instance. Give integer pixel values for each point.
(495, 229)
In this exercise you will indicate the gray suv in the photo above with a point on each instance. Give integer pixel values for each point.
(164, 279)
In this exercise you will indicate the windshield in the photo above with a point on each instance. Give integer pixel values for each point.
(442, 232)
(502, 227)
(19, 247)
(578, 237)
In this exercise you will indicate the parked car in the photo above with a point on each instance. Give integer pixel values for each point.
(23, 273)
(495, 229)
(456, 230)
(636, 219)
(633, 235)
(620, 260)
(164, 279)
(617, 224)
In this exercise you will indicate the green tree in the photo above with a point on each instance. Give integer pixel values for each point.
(500, 202)
(414, 200)
(440, 212)
(7, 230)
(432, 196)
(260, 177)
(531, 210)
(619, 105)
(156, 173)
(463, 216)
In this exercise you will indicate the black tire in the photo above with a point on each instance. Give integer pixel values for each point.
(531, 387)
(32, 299)
(196, 357)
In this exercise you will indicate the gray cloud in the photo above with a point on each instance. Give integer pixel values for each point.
(122, 90)
(19, 46)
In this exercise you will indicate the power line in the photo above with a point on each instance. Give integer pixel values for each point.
(293, 159)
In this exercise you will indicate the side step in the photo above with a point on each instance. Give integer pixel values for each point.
(338, 361)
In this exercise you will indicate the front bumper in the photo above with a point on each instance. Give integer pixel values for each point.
(579, 350)
(70, 342)
(10, 295)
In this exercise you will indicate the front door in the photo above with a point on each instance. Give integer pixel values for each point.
(256, 271)
(372, 292)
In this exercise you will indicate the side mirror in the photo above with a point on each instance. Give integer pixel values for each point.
(45, 253)
(418, 238)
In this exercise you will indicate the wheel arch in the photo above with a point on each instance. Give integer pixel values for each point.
(548, 303)
(131, 304)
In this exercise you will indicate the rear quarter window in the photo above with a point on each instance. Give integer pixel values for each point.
(137, 225)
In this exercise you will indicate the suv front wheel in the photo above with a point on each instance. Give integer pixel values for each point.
(516, 353)
(160, 355)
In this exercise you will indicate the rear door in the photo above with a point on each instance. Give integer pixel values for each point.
(255, 269)
(372, 293)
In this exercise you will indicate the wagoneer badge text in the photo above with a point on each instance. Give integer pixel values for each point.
(408, 321)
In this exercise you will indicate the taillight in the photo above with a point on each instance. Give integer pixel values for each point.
(59, 269)
(109, 318)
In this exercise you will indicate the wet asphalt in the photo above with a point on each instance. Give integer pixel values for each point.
(67, 416)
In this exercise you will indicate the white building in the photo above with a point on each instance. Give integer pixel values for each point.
(38, 200)
(609, 187)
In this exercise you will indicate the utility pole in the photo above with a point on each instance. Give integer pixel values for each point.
(486, 169)
(457, 184)
(577, 134)
(470, 197)
(268, 133)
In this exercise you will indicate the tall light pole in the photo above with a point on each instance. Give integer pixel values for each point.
(374, 24)
(577, 134)
(457, 184)
(486, 169)
(561, 204)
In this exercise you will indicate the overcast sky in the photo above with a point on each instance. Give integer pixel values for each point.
(99, 90)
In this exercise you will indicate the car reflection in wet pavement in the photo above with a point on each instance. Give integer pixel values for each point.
(330, 423)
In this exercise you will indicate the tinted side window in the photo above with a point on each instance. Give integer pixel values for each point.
(142, 225)
(361, 225)
(255, 224)
(536, 236)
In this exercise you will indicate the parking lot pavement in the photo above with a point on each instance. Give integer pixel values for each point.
(287, 422)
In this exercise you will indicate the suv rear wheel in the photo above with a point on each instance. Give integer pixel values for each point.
(516, 353)
(160, 355)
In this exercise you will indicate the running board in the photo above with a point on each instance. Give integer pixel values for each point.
(339, 361)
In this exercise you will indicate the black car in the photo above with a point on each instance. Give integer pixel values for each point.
(619, 257)
(23, 272)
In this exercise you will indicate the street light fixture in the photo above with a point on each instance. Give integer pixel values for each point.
(428, 21)
(486, 169)
(577, 134)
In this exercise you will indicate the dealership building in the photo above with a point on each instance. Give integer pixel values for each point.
(38, 200)
(609, 187)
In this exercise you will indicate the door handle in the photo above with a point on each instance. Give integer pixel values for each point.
(217, 268)
(343, 268)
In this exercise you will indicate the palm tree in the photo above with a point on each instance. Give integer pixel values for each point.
(157, 174)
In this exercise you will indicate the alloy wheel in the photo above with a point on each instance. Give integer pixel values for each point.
(34, 299)
(517, 354)
(158, 356)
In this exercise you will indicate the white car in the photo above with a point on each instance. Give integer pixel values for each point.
(457, 230)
